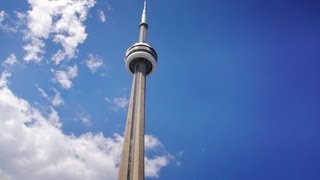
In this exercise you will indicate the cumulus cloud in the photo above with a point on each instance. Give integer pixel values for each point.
(57, 99)
(61, 20)
(118, 103)
(102, 16)
(3, 26)
(94, 62)
(33, 145)
(155, 164)
(151, 142)
(10, 61)
(34, 50)
(64, 78)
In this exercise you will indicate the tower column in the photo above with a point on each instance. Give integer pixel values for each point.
(138, 167)
(140, 60)
(132, 162)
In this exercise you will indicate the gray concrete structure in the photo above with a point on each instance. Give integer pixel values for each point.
(140, 60)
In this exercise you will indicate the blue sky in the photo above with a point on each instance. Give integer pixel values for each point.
(235, 94)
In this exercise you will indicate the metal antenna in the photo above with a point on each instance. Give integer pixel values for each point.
(144, 13)
(143, 24)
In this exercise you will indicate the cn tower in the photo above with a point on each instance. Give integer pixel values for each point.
(140, 60)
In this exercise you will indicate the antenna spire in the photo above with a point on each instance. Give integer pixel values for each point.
(143, 25)
(144, 13)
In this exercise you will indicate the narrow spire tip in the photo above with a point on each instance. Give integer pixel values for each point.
(144, 13)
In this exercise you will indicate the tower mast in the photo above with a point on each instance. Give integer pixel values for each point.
(140, 60)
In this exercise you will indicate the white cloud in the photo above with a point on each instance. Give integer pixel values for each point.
(3, 78)
(57, 99)
(4, 176)
(3, 26)
(151, 142)
(64, 78)
(154, 165)
(10, 61)
(84, 119)
(62, 20)
(102, 16)
(42, 92)
(94, 62)
(34, 146)
(119, 103)
(73, 71)
(2, 14)
(34, 50)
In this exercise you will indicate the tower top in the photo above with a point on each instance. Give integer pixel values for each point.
(144, 13)
(143, 24)
(141, 51)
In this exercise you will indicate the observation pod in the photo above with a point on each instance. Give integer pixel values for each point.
(141, 53)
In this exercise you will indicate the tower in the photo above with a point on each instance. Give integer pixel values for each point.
(140, 60)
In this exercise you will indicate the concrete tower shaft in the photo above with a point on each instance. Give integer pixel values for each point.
(140, 60)
(132, 160)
